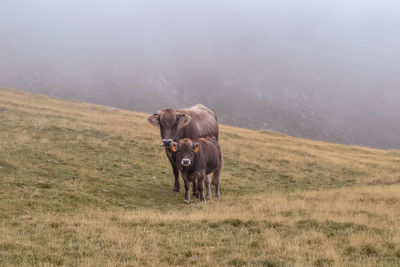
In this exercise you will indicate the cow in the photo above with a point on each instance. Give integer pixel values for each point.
(196, 160)
(195, 122)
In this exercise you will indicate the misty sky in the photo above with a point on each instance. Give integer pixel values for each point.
(336, 60)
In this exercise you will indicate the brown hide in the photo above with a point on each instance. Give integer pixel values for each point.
(205, 157)
(203, 123)
(194, 122)
(206, 160)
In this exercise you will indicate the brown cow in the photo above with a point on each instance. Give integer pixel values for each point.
(194, 122)
(196, 160)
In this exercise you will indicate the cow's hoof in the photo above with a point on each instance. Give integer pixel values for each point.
(196, 195)
(176, 190)
(186, 201)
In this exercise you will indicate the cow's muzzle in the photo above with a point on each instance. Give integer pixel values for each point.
(166, 142)
(185, 162)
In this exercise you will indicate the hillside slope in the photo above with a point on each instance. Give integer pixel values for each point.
(84, 184)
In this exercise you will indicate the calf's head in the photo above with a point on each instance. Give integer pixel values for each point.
(185, 150)
(171, 124)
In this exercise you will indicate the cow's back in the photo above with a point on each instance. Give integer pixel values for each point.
(203, 123)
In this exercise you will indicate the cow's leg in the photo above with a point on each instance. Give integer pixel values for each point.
(216, 180)
(177, 186)
(208, 187)
(187, 191)
(201, 188)
(195, 189)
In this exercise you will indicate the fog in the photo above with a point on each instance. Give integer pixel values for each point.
(327, 70)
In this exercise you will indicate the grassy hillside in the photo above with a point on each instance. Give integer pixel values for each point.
(82, 184)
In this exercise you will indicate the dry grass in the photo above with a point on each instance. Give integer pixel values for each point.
(85, 185)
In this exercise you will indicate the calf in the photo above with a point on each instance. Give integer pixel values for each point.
(196, 160)
(194, 122)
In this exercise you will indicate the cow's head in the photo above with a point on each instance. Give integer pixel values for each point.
(185, 151)
(171, 124)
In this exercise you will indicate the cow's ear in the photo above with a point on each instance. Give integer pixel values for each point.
(183, 120)
(196, 147)
(174, 147)
(154, 119)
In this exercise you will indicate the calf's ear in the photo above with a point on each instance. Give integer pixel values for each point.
(154, 119)
(174, 147)
(183, 120)
(196, 147)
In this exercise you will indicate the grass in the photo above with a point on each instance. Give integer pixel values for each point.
(83, 184)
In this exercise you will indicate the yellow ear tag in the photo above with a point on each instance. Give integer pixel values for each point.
(173, 148)
(196, 149)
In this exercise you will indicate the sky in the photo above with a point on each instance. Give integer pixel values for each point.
(327, 70)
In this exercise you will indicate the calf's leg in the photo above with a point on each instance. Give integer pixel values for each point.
(208, 187)
(201, 188)
(216, 180)
(187, 191)
(195, 189)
